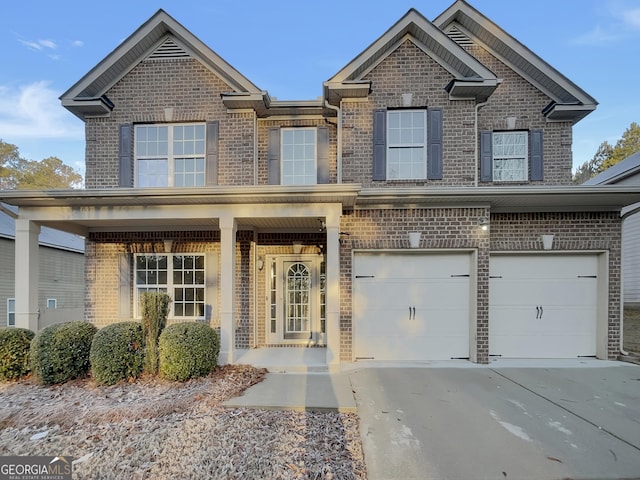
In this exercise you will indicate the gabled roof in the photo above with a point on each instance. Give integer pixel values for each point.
(163, 34)
(570, 102)
(471, 78)
(618, 172)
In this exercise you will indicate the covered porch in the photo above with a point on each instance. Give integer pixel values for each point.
(227, 214)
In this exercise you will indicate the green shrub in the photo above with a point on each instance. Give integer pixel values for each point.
(188, 350)
(60, 352)
(14, 352)
(117, 353)
(155, 309)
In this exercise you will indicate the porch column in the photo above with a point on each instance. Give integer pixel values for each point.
(228, 228)
(333, 291)
(26, 274)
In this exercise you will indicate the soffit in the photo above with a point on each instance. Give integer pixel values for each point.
(506, 199)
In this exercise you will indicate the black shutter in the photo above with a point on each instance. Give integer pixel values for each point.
(536, 155)
(434, 144)
(323, 155)
(379, 145)
(125, 148)
(273, 156)
(211, 169)
(486, 156)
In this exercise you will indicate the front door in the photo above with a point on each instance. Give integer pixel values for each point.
(296, 300)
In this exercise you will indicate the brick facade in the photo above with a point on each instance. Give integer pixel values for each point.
(194, 93)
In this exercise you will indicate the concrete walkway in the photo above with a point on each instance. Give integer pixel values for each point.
(299, 391)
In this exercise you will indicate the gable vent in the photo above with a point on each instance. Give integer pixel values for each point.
(169, 49)
(457, 36)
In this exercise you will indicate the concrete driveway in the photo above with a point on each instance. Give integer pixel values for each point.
(509, 420)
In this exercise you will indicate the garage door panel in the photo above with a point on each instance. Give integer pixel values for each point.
(411, 306)
(552, 314)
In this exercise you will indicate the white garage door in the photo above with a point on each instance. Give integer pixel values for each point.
(411, 307)
(543, 306)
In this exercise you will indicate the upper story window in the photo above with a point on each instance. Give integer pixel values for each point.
(170, 155)
(298, 156)
(510, 152)
(407, 144)
(511, 156)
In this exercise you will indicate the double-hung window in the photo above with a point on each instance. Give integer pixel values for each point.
(299, 154)
(406, 144)
(511, 156)
(182, 277)
(11, 312)
(170, 155)
(510, 153)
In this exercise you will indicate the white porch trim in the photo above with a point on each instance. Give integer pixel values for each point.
(27, 273)
(228, 228)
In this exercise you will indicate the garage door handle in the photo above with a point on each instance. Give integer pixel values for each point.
(412, 313)
(540, 311)
(365, 276)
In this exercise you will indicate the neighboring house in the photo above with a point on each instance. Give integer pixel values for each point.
(61, 277)
(399, 217)
(627, 172)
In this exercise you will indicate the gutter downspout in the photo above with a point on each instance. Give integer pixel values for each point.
(255, 148)
(339, 139)
(477, 153)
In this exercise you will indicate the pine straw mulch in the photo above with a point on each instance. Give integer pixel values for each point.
(151, 428)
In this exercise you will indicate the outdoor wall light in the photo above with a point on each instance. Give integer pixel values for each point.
(407, 99)
(484, 223)
(297, 248)
(260, 262)
(168, 244)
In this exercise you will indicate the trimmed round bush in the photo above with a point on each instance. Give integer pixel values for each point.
(60, 352)
(14, 352)
(188, 350)
(117, 353)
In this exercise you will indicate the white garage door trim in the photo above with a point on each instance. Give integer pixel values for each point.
(548, 305)
(413, 311)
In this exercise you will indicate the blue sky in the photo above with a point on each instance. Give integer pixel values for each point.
(290, 47)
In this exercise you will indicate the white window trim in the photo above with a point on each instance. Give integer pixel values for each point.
(169, 285)
(55, 303)
(423, 145)
(315, 154)
(11, 309)
(170, 155)
(525, 167)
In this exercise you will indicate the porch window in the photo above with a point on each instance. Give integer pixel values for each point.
(181, 276)
(11, 312)
(170, 155)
